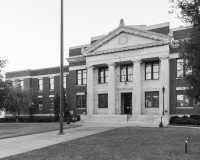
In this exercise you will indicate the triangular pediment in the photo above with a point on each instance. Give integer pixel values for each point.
(126, 38)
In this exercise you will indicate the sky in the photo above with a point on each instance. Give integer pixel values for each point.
(30, 29)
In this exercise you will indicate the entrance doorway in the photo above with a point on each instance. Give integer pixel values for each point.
(126, 103)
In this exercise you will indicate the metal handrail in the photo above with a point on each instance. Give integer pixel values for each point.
(129, 115)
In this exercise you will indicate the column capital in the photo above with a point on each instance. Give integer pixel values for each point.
(89, 67)
(137, 61)
(111, 64)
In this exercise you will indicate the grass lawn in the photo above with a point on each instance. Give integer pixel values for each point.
(8, 130)
(126, 143)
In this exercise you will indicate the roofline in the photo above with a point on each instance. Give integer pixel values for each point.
(97, 37)
(36, 69)
(178, 28)
(79, 46)
(165, 24)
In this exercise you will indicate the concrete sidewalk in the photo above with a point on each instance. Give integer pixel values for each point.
(18, 145)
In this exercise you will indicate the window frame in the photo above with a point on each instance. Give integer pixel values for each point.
(105, 96)
(82, 79)
(40, 84)
(152, 70)
(39, 103)
(152, 99)
(50, 83)
(181, 92)
(126, 74)
(22, 84)
(50, 108)
(81, 97)
(184, 71)
(104, 69)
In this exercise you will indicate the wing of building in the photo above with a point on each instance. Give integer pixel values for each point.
(132, 70)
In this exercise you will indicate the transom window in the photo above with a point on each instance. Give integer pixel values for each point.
(81, 78)
(40, 84)
(103, 100)
(182, 100)
(181, 70)
(126, 73)
(103, 75)
(51, 83)
(51, 103)
(80, 101)
(152, 70)
(152, 99)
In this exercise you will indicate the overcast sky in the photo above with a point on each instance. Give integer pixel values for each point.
(30, 29)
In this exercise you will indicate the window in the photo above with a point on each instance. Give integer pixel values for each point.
(103, 75)
(151, 70)
(40, 84)
(152, 99)
(81, 78)
(183, 100)
(103, 100)
(40, 104)
(22, 84)
(126, 73)
(51, 103)
(181, 71)
(51, 83)
(81, 101)
(64, 82)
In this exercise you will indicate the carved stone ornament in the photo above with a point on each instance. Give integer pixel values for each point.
(123, 40)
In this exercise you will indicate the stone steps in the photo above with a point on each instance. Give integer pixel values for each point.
(122, 119)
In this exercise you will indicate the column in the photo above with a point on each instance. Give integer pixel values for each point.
(111, 89)
(136, 96)
(164, 82)
(90, 90)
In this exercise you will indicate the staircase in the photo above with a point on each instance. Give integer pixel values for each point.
(122, 119)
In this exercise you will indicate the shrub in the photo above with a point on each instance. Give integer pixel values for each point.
(172, 119)
(184, 120)
(195, 117)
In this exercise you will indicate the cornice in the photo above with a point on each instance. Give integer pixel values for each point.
(76, 59)
(130, 30)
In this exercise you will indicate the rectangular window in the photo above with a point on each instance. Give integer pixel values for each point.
(103, 75)
(64, 82)
(81, 77)
(152, 70)
(51, 103)
(40, 101)
(126, 73)
(81, 101)
(40, 84)
(51, 83)
(103, 100)
(152, 99)
(180, 67)
(182, 100)
(22, 84)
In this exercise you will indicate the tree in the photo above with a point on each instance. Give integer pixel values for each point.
(188, 11)
(2, 65)
(15, 100)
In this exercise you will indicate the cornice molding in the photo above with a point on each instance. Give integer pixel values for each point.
(164, 39)
(76, 59)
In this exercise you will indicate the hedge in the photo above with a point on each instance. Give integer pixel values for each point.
(192, 120)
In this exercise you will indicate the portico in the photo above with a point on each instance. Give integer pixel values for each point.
(131, 61)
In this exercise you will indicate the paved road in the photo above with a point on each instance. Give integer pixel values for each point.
(18, 145)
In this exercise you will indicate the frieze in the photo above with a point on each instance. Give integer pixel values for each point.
(159, 49)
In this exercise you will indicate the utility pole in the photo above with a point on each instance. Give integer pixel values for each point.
(61, 71)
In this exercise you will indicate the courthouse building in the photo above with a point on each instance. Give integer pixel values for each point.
(133, 69)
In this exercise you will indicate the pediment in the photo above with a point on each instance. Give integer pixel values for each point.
(126, 38)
